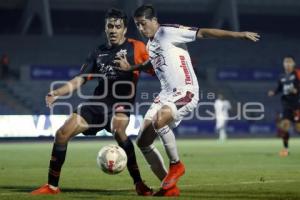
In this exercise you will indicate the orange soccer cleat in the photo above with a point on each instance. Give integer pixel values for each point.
(142, 189)
(45, 190)
(172, 192)
(284, 153)
(175, 172)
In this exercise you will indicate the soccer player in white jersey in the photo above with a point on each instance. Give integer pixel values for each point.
(222, 107)
(179, 89)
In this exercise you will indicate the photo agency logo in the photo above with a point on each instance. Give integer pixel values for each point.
(122, 91)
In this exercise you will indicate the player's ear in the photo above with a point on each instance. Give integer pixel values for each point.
(154, 19)
(125, 31)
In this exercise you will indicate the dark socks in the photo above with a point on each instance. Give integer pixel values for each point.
(285, 139)
(57, 160)
(131, 160)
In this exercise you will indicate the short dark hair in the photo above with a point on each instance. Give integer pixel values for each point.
(118, 14)
(289, 56)
(146, 11)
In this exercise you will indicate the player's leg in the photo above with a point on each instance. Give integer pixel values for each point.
(73, 126)
(119, 124)
(283, 128)
(223, 134)
(161, 125)
(220, 126)
(145, 142)
(174, 109)
(153, 157)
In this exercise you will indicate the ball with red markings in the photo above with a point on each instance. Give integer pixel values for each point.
(111, 159)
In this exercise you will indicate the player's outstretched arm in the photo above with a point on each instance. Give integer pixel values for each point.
(278, 90)
(124, 65)
(218, 33)
(67, 88)
(271, 93)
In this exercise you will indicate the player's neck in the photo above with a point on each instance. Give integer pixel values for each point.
(156, 27)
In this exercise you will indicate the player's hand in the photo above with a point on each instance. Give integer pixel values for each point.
(50, 98)
(122, 63)
(271, 93)
(294, 91)
(251, 36)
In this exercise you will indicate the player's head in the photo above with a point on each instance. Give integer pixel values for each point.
(115, 26)
(289, 63)
(146, 20)
(220, 96)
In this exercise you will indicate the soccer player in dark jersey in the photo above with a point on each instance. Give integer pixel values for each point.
(289, 87)
(118, 101)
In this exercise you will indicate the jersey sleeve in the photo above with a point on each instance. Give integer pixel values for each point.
(278, 88)
(228, 105)
(297, 71)
(215, 106)
(88, 67)
(297, 82)
(140, 52)
(141, 55)
(179, 33)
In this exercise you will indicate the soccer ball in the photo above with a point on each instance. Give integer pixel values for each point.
(111, 159)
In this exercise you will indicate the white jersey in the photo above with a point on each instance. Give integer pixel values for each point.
(170, 58)
(221, 109)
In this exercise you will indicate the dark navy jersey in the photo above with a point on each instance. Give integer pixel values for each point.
(286, 84)
(112, 82)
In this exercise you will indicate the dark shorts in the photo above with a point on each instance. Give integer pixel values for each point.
(99, 115)
(291, 112)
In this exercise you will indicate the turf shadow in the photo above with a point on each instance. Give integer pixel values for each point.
(108, 192)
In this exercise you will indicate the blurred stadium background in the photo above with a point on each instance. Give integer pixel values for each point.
(48, 40)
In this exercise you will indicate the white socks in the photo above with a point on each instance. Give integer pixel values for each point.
(155, 161)
(52, 187)
(222, 134)
(168, 138)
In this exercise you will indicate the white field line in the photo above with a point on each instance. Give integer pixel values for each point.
(241, 183)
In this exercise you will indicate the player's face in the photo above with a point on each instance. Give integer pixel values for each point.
(147, 27)
(115, 31)
(288, 64)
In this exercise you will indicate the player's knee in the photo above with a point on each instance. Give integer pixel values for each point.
(62, 136)
(162, 118)
(284, 125)
(119, 124)
(157, 124)
(118, 130)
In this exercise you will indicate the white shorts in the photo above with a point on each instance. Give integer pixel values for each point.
(181, 103)
(221, 123)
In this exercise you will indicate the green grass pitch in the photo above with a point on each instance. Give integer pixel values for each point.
(237, 169)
